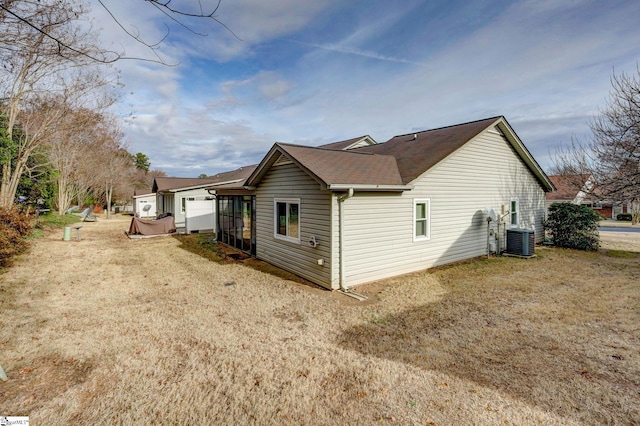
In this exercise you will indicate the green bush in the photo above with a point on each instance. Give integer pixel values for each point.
(15, 226)
(624, 216)
(573, 226)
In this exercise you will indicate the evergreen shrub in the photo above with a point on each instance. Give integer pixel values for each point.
(573, 226)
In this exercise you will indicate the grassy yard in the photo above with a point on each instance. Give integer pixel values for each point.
(108, 330)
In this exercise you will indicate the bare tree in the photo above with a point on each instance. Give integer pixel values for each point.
(41, 78)
(611, 156)
(70, 153)
(115, 167)
(152, 175)
(19, 12)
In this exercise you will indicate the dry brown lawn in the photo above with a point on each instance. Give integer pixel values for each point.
(112, 331)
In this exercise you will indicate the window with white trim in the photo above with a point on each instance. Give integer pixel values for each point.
(287, 219)
(184, 202)
(421, 219)
(514, 213)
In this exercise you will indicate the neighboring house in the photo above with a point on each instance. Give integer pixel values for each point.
(144, 203)
(569, 189)
(575, 189)
(172, 194)
(345, 217)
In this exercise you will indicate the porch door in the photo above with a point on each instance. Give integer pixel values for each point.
(247, 219)
(236, 222)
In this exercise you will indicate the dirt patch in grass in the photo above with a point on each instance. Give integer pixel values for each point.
(112, 330)
(206, 246)
(35, 382)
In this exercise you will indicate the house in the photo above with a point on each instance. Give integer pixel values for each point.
(175, 195)
(236, 203)
(172, 194)
(340, 217)
(144, 203)
(576, 189)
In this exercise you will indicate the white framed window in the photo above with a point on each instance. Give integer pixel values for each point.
(421, 219)
(286, 212)
(184, 202)
(514, 212)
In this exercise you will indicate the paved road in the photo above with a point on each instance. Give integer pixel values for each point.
(611, 229)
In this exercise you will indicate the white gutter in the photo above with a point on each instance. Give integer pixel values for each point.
(351, 187)
(341, 200)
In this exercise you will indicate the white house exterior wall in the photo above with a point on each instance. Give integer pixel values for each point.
(485, 172)
(289, 182)
(171, 202)
(141, 201)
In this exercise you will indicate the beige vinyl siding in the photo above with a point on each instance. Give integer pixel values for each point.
(485, 172)
(288, 181)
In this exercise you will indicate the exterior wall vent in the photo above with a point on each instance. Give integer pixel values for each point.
(521, 242)
(282, 160)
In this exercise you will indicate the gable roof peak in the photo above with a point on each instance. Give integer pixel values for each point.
(350, 144)
(284, 145)
(451, 126)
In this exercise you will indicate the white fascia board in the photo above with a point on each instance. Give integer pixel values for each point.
(224, 183)
(203, 186)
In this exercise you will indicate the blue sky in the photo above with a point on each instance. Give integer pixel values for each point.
(318, 71)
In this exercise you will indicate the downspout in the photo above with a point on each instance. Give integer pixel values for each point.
(499, 235)
(214, 194)
(341, 200)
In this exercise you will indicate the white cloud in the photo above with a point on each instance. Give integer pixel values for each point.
(341, 48)
(253, 22)
(545, 65)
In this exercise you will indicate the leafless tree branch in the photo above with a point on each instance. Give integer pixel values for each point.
(108, 56)
(611, 156)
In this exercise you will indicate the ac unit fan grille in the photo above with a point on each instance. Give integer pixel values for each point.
(521, 242)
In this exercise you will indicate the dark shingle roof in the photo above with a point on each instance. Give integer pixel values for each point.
(238, 174)
(173, 183)
(344, 167)
(396, 162)
(142, 191)
(233, 179)
(418, 152)
(346, 143)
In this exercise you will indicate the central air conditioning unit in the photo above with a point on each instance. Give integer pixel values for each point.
(521, 242)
